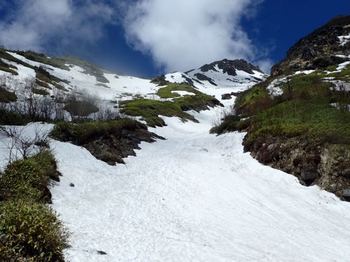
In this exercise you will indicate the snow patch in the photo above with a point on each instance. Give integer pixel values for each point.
(344, 39)
(183, 93)
(274, 88)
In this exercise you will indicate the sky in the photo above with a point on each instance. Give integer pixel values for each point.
(149, 37)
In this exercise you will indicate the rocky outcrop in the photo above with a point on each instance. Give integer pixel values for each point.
(320, 49)
(230, 66)
(113, 148)
(313, 163)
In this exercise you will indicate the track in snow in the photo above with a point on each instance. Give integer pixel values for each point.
(194, 197)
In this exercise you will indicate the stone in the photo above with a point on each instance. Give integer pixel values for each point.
(226, 97)
(346, 194)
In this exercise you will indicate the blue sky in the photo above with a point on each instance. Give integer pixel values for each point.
(146, 38)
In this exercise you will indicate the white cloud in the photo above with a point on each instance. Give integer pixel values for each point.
(183, 34)
(35, 24)
(265, 65)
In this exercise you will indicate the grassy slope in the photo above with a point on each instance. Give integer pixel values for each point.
(29, 229)
(150, 110)
(303, 109)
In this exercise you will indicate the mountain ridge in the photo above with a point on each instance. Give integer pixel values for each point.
(297, 120)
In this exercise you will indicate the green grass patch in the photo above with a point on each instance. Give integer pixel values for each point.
(29, 178)
(344, 75)
(150, 110)
(254, 100)
(167, 91)
(313, 119)
(198, 101)
(306, 87)
(29, 229)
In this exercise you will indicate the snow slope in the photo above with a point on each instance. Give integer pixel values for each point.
(194, 197)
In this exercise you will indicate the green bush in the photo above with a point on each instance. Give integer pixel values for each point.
(29, 178)
(30, 232)
(230, 123)
(80, 108)
(81, 133)
(254, 100)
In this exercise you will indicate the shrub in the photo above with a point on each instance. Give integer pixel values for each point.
(80, 108)
(11, 118)
(29, 178)
(30, 231)
(80, 133)
(230, 123)
(7, 96)
(254, 100)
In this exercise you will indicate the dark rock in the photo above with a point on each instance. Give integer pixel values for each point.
(346, 173)
(226, 96)
(160, 81)
(317, 50)
(230, 66)
(71, 185)
(308, 177)
(100, 252)
(205, 78)
(346, 194)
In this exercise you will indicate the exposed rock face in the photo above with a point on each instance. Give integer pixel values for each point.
(324, 47)
(230, 66)
(202, 77)
(313, 164)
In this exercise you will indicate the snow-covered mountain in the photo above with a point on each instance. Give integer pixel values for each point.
(224, 73)
(45, 78)
(192, 196)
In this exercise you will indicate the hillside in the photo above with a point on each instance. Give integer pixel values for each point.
(97, 166)
(298, 119)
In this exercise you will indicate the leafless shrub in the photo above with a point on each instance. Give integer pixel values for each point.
(23, 145)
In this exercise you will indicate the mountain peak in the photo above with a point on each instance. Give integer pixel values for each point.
(326, 46)
(231, 66)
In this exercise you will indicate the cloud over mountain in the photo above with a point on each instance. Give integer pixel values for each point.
(182, 34)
